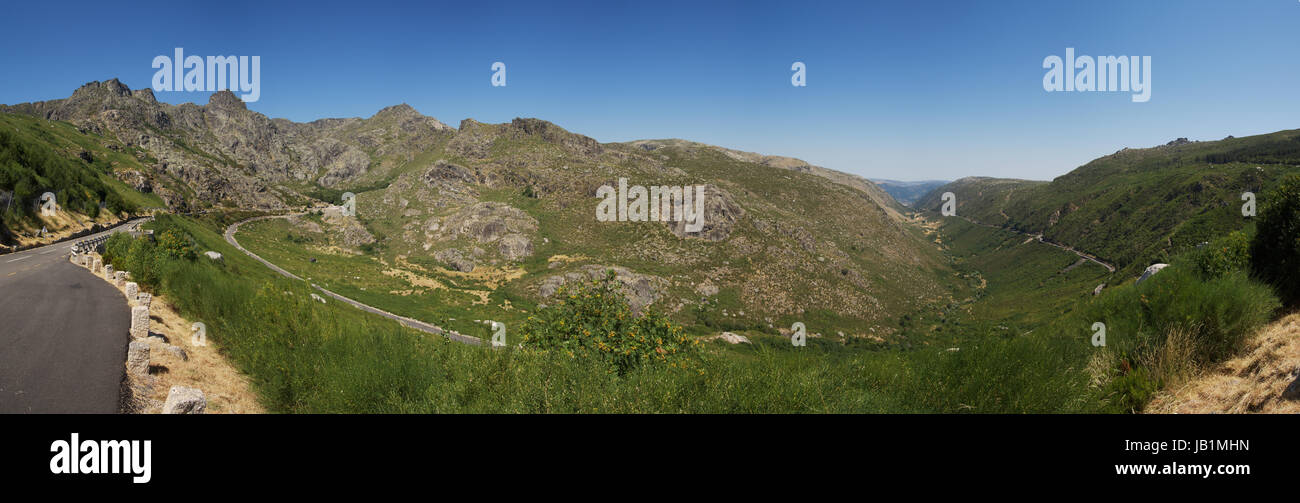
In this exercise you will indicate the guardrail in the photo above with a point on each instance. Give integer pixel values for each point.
(89, 245)
(93, 244)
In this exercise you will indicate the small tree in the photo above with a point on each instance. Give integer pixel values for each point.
(593, 319)
(1275, 251)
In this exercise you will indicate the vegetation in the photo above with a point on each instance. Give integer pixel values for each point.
(594, 320)
(333, 358)
(1276, 248)
(38, 156)
(1137, 206)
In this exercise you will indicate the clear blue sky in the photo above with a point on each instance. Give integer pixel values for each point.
(901, 89)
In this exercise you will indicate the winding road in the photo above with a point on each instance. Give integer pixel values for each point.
(409, 322)
(1039, 237)
(63, 334)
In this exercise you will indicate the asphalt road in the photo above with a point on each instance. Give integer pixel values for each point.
(63, 334)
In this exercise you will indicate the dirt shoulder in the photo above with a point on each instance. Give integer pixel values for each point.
(227, 390)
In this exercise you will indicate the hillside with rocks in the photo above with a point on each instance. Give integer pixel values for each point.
(513, 206)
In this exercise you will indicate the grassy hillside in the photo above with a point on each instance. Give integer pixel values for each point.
(786, 246)
(333, 358)
(1137, 206)
(38, 156)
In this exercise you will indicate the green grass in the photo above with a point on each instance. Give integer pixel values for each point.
(38, 155)
(333, 358)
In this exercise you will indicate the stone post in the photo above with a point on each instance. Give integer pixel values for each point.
(137, 358)
(139, 322)
(132, 290)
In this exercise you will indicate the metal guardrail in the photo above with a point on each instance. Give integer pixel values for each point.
(93, 244)
(89, 245)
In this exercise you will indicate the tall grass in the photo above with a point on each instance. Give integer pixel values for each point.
(1171, 326)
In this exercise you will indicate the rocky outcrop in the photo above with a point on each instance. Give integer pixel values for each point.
(515, 247)
(721, 213)
(135, 179)
(455, 260)
(1151, 271)
(487, 222)
(641, 290)
(340, 162)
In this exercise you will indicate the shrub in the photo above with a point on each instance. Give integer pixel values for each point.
(1275, 251)
(1206, 320)
(176, 243)
(1223, 255)
(593, 319)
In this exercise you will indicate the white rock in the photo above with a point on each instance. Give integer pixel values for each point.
(183, 400)
(731, 338)
(213, 255)
(1151, 271)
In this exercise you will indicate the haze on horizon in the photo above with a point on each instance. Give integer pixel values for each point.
(921, 91)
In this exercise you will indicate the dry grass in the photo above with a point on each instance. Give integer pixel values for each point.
(1251, 382)
(226, 389)
(60, 226)
(1174, 364)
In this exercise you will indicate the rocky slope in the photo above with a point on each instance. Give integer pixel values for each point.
(781, 238)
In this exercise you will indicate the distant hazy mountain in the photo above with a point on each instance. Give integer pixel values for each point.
(908, 192)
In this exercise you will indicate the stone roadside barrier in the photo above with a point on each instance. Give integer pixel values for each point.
(139, 322)
(183, 400)
(180, 399)
(137, 358)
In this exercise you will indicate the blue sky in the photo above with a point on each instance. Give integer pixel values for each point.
(904, 90)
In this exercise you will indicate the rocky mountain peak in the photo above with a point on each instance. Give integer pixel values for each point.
(145, 94)
(552, 133)
(111, 86)
(401, 110)
(226, 99)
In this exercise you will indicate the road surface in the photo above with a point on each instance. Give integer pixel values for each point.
(63, 334)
